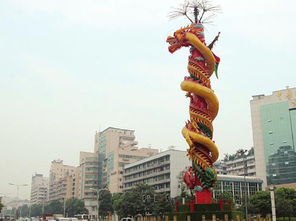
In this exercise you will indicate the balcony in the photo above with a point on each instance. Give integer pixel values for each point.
(153, 166)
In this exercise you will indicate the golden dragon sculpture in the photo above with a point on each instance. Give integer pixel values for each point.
(203, 108)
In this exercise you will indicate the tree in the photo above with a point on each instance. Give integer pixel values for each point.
(142, 199)
(75, 206)
(117, 200)
(55, 207)
(285, 202)
(105, 203)
(23, 211)
(260, 203)
(226, 196)
(1, 206)
(36, 210)
(163, 203)
(138, 200)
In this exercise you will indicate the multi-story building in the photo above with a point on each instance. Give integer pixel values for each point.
(115, 148)
(39, 189)
(241, 164)
(61, 181)
(274, 129)
(161, 171)
(278, 163)
(87, 183)
(220, 167)
(237, 186)
(237, 164)
(164, 172)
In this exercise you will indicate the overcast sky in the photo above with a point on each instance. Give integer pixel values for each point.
(72, 67)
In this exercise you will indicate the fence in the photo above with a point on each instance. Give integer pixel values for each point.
(188, 218)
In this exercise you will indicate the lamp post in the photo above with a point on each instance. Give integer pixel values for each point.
(64, 207)
(271, 188)
(242, 152)
(17, 188)
(98, 202)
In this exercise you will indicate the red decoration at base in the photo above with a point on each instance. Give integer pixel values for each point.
(221, 204)
(191, 206)
(177, 206)
(203, 197)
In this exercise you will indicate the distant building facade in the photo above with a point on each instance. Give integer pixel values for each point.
(220, 167)
(161, 171)
(61, 181)
(115, 148)
(39, 189)
(237, 186)
(87, 185)
(274, 129)
(237, 164)
(280, 164)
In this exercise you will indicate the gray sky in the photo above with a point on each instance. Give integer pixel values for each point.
(69, 68)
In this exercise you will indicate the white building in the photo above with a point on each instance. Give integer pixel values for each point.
(237, 164)
(160, 171)
(237, 186)
(87, 181)
(39, 189)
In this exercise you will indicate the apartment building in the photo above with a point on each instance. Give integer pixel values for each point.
(117, 147)
(61, 181)
(162, 171)
(39, 189)
(240, 164)
(274, 132)
(87, 183)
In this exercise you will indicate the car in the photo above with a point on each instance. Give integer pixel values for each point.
(126, 219)
(68, 219)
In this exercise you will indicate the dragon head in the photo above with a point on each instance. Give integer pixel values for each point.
(179, 39)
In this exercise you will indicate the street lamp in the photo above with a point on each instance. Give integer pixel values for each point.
(271, 188)
(98, 202)
(17, 188)
(64, 207)
(242, 152)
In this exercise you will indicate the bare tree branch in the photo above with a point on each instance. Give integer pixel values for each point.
(182, 11)
(196, 9)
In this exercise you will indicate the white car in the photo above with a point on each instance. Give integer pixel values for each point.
(68, 219)
(127, 219)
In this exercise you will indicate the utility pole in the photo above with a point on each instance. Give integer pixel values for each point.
(30, 209)
(42, 207)
(64, 207)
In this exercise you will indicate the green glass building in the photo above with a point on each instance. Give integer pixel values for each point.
(274, 134)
